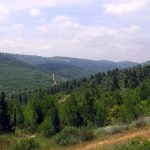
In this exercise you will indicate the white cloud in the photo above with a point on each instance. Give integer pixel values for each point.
(50, 3)
(66, 36)
(4, 12)
(127, 7)
(85, 41)
(11, 33)
(60, 24)
(91, 41)
(34, 6)
(35, 12)
(18, 28)
(8, 43)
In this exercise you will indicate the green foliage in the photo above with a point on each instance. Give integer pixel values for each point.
(86, 134)
(135, 144)
(68, 136)
(46, 129)
(144, 90)
(5, 122)
(30, 118)
(41, 114)
(26, 144)
(71, 112)
(16, 111)
(104, 99)
(72, 136)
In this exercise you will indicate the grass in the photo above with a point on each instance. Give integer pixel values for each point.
(6, 142)
(111, 136)
(9, 142)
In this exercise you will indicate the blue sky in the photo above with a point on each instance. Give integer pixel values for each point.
(95, 29)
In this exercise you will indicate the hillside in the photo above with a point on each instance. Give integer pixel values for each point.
(61, 69)
(109, 142)
(79, 111)
(15, 75)
(72, 67)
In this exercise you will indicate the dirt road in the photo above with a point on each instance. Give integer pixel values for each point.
(144, 132)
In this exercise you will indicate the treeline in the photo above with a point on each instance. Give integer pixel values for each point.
(118, 96)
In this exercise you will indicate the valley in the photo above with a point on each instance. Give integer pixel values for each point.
(74, 75)
(71, 112)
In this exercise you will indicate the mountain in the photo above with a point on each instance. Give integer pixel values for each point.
(32, 60)
(61, 69)
(16, 75)
(146, 63)
(126, 64)
(72, 67)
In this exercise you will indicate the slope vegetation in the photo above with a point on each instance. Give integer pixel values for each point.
(115, 139)
(72, 67)
(15, 75)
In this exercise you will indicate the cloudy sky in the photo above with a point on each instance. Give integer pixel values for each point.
(95, 29)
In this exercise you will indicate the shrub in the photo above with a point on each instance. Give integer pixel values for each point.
(135, 144)
(141, 122)
(68, 136)
(46, 129)
(26, 144)
(86, 134)
(110, 130)
(72, 136)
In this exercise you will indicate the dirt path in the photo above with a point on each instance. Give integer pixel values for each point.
(145, 132)
(54, 79)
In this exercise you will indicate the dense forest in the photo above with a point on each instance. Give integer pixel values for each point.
(115, 97)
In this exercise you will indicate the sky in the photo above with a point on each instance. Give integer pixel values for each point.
(114, 30)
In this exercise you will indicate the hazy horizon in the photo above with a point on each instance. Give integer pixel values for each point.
(90, 29)
(72, 57)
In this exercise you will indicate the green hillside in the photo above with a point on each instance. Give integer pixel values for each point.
(72, 67)
(77, 111)
(64, 69)
(15, 75)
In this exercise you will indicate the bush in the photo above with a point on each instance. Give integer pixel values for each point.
(141, 122)
(86, 134)
(26, 144)
(46, 129)
(72, 136)
(135, 144)
(110, 130)
(68, 136)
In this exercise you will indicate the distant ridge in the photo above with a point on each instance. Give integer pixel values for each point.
(72, 67)
(16, 75)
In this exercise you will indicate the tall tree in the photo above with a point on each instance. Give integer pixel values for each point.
(5, 122)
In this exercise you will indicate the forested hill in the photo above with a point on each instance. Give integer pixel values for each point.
(72, 67)
(112, 80)
(118, 96)
(15, 75)
(70, 111)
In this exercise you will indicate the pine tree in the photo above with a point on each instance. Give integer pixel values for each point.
(5, 122)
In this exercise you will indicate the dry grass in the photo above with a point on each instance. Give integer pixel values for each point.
(103, 143)
(107, 143)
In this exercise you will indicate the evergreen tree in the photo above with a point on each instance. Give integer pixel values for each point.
(71, 112)
(88, 105)
(5, 122)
